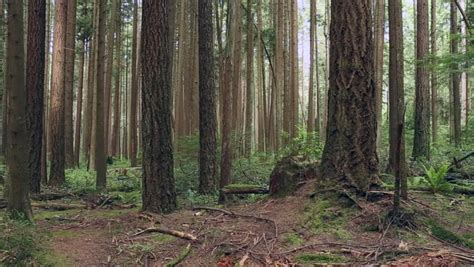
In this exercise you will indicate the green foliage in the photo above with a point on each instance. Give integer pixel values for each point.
(434, 178)
(319, 258)
(19, 243)
(304, 144)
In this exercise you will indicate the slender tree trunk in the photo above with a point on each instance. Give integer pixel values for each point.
(100, 154)
(434, 80)
(207, 101)
(249, 83)
(17, 140)
(57, 113)
(35, 88)
(456, 93)
(159, 193)
(421, 142)
(79, 96)
(396, 97)
(132, 126)
(70, 52)
(350, 158)
(378, 62)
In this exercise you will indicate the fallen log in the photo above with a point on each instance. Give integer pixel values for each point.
(167, 231)
(244, 189)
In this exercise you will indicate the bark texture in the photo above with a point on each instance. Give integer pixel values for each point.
(159, 193)
(349, 158)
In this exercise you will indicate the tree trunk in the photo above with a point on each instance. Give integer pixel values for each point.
(70, 53)
(434, 80)
(456, 93)
(396, 98)
(100, 154)
(421, 142)
(349, 158)
(159, 193)
(35, 88)
(17, 146)
(132, 126)
(79, 96)
(207, 101)
(378, 62)
(57, 113)
(249, 83)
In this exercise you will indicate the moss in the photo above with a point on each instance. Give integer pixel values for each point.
(292, 239)
(319, 258)
(324, 215)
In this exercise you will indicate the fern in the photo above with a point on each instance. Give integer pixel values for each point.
(434, 178)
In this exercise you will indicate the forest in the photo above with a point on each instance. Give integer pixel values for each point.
(236, 133)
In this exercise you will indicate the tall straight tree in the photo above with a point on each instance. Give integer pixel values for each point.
(100, 153)
(56, 117)
(349, 158)
(35, 64)
(17, 147)
(456, 92)
(421, 142)
(132, 126)
(379, 19)
(159, 193)
(207, 100)
(70, 53)
(396, 97)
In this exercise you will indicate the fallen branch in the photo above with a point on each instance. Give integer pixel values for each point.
(166, 231)
(182, 255)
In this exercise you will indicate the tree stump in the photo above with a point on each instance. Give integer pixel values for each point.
(290, 172)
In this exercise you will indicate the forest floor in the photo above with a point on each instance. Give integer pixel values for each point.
(277, 232)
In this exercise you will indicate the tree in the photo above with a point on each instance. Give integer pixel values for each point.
(349, 158)
(132, 126)
(70, 53)
(17, 146)
(396, 99)
(100, 153)
(421, 142)
(35, 64)
(159, 193)
(207, 101)
(456, 92)
(56, 117)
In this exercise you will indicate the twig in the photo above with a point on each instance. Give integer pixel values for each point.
(166, 231)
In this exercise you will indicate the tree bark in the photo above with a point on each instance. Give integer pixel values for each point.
(421, 142)
(70, 53)
(100, 154)
(159, 193)
(57, 112)
(349, 158)
(207, 101)
(17, 146)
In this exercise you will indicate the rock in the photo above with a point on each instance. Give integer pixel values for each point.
(289, 173)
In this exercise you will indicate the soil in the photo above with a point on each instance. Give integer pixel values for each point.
(271, 232)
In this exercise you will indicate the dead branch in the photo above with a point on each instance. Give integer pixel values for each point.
(167, 231)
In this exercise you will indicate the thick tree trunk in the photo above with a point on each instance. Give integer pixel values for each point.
(70, 53)
(17, 146)
(100, 154)
(79, 96)
(349, 158)
(421, 142)
(35, 64)
(57, 113)
(207, 101)
(159, 193)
